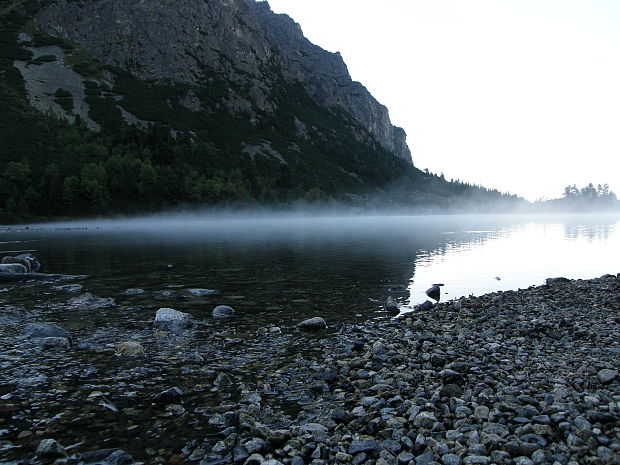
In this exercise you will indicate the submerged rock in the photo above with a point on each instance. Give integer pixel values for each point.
(130, 349)
(201, 292)
(313, 324)
(87, 301)
(54, 343)
(11, 313)
(170, 319)
(69, 287)
(131, 292)
(50, 449)
(391, 305)
(41, 330)
(106, 457)
(223, 311)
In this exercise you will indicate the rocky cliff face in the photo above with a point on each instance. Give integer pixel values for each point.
(189, 42)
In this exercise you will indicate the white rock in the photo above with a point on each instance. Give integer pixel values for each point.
(169, 318)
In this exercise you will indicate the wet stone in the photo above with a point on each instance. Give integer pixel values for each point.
(313, 324)
(68, 288)
(50, 449)
(223, 311)
(88, 301)
(41, 330)
(130, 349)
(173, 320)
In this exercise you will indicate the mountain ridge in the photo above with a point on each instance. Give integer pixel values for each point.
(240, 39)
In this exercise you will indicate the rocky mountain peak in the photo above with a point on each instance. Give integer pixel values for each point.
(188, 42)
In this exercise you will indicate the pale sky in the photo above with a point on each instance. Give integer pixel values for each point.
(518, 95)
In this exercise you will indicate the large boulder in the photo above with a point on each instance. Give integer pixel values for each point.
(223, 311)
(434, 292)
(87, 301)
(50, 449)
(18, 260)
(312, 324)
(54, 343)
(170, 319)
(35, 265)
(12, 269)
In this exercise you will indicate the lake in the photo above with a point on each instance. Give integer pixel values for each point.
(275, 272)
(282, 269)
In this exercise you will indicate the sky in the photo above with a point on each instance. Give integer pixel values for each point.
(518, 95)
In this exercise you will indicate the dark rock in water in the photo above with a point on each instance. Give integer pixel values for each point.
(87, 301)
(173, 320)
(223, 311)
(391, 305)
(434, 292)
(10, 269)
(313, 324)
(54, 343)
(399, 289)
(11, 313)
(169, 395)
(202, 292)
(50, 449)
(550, 281)
(130, 292)
(69, 287)
(130, 349)
(106, 457)
(426, 305)
(35, 265)
(40, 330)
(19, 261)
(166, 294)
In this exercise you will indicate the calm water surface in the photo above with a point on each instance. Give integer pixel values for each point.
(282, 269)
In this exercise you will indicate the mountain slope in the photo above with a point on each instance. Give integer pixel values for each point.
(125, 105)
(185, 41)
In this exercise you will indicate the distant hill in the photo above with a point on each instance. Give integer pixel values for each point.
(124, 105)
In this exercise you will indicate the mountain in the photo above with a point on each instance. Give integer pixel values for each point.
(124, 105)
(241, 41)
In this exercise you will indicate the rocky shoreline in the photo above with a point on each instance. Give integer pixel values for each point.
(519, 377)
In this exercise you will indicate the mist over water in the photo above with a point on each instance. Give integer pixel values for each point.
(283, 268)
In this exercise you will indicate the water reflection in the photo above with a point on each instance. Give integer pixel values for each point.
(282, 269)
(519, 255)
(591, 231)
